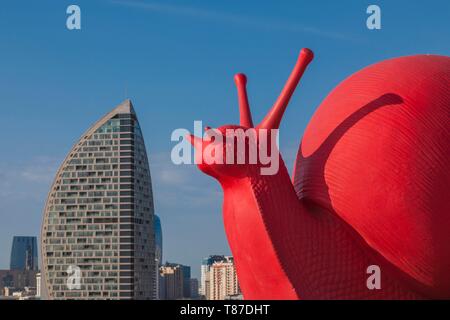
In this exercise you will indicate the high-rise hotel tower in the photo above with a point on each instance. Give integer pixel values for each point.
(97, 237)
(24, 254)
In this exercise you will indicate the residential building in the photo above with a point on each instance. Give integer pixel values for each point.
(221, 279)
(194, 288)
(173, 281)
(206, 265)
(97, 238)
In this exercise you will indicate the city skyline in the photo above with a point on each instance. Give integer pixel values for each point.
(50, 74)
(24, 282)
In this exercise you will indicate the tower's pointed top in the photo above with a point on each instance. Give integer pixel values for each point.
(125, 107)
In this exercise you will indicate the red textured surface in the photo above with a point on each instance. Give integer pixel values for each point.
(376, 153)
(369, 188)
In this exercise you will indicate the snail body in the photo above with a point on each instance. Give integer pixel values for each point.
(369, 187)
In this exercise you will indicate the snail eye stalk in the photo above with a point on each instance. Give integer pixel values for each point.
(273, 119)
(244, 108)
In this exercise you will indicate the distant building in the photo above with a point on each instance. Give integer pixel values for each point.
(220, 278)
(158, 239)
(173, 281)
(223, 281)
(38, 285)
(27, 293)
(206, 265)
(158, 255)
(235, 297)
(162, 286)
(207, 288)
(24, 253)
(186, 282)
(16, 280)
(194, 288)
(8, 291)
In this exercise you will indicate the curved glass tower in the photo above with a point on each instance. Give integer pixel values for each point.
(97, 236)
(24, 254)
(158, 254)
(158, 239)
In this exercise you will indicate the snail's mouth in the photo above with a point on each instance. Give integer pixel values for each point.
(196, 142)
(238, 149)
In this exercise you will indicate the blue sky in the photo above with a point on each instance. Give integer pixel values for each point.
(175, 60)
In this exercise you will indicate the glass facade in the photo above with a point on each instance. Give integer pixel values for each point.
(158, 239)
(99, 216)
(24, 254)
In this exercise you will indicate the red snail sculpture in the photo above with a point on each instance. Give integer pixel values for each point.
(370, 186)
